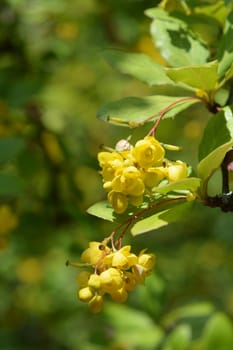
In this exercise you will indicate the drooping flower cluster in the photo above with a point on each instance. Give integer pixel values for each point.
(116, 272)
(129, 172)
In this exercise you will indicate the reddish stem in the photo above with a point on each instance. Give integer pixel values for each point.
(127, 223)
(166, 109)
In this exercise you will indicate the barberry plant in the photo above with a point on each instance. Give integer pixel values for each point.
(145, 189)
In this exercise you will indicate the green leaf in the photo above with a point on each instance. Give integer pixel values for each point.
(229, 74)
(190, 184)
(102, 210)
(162, 218)
(177, 43)
(210, 164)
(218, 333)
(10, 185)
(134, 328)
(218, 131)
(179, 339)
(225, 48)
(138, 65)
(194, 310)
(221, 96)
(133, 111)
(10, 147)
(202, 77)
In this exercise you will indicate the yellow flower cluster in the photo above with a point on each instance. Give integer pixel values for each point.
(129, 172)
(116, 272)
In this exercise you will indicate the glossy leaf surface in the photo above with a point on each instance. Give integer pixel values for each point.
(138, 65)
(133, 111)
(177, 43)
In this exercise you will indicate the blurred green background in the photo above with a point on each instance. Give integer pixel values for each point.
(52, 82)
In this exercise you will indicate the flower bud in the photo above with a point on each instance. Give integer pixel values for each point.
(119, 295)
(177, 171)
(111, 279)
(82, 278)
(85, 294)
(119, 201)
(96, 304)
(94, 281)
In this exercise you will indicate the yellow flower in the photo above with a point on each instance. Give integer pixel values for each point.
(121, 259)
(129, 182)
(83, 278)
(130, 281)
(95, 252)
(110, 163)
(147, 261)
(116, 272)
(105, 158)
(153, 176)
(144, 266)
(119, 295)
(85, 294)
(176, 171)
(111, 279)
(148, 152)
(136, 200)
(119, 201)
(94, 281)
(96, 304)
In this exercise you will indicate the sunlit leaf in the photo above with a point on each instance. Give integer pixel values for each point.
(162, 218)
(145, 335)
(179, 339)
(218, 333)
(133, 111)
(202, 77)
(225, 48)
(195, 310)
(211, 163)
(190, 184)
(138, 65)
(102, 210)
(177, 43)
(221, 96)
(218, 131)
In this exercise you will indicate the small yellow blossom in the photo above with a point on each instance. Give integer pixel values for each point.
(82, 278)
(153, 176)
(176, 171)
(148, 152)
(119, 201)
(96, 304)
(116, 272)
(94, 253)
(85, 294)
(111, 279)
(130, 281)
(119, 295)
(94, 281)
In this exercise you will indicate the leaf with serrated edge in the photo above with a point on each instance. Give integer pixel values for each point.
(178, 45)
(161, 218)
(137, 65)
(189, 184)
(102, 210)
(133, 111)
(202, 77)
